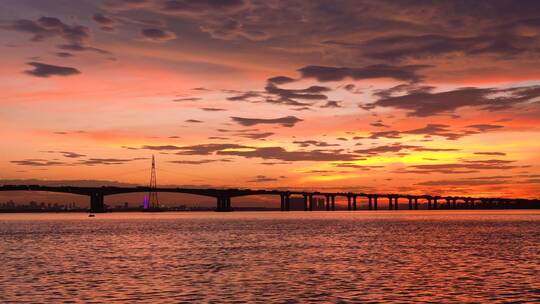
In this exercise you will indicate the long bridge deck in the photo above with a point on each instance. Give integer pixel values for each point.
(223, 197)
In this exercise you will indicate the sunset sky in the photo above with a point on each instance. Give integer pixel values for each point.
(375, 96)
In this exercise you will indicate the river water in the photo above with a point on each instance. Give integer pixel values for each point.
(272, 257)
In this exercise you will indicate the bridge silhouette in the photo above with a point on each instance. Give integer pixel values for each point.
(223, 197)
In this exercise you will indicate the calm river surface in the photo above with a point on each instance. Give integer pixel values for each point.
(262, 257)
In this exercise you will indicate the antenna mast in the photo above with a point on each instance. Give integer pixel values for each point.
(152, 194)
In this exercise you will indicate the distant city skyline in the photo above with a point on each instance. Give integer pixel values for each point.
(358, 95)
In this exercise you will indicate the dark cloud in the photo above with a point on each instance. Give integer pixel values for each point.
(463, 182)
(331, 104)
(357, 166)
(218, 137)
(288, 121)
(315, 143)
(67, 154)
(46, 70)
(395, 148)
(103, 20)
(491, 153)
(106, 161)
(186, 99)
(277, 153)
(325, 73)
(46, 27)
(76, 37)
(255, 135)
(437, 130)
(261, 179)
(194, 162)
(280, 153)
(80, 48)
(301, 109)
(467, 166)
(213, 109)
(208, 149)
(160, 148)
(385, 134)
(202, 6)
(290, 96)
(398, 47)
(485, 127)
(64, 54)
(281, 80)
(378, 124)
(244, 96)
(424, 104)
(271, 163)
(37, 162)
(157, 35)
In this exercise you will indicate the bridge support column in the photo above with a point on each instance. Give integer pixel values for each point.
(223, 203)
(454, 203)
(287, 202)
(375, 207)
(390, 199)
(327, 201)
(228, 203)
(311, 202)
(305, 202)
(97, 202)
(333, 203)
(416, 203)
(410, 203)
(349, 207)
(282, 197)
(435, 205)
(370, 202)
(354, 202)
(429, 203)
(472, 203)
(396, 207)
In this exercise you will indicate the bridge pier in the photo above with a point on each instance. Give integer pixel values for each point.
(327, 202)
(454, 203)
(97, 202)
(349, 206)
(354, 202)
(311, 202)
(416, 203)
(333, 203)
(370, 199)
(429, 203)
(435, 204)
(287, 202)
(282, 197)
(223, 203)
(390, 199)
(375, 207)
(305, 202)
(410, 203)
(396, 207)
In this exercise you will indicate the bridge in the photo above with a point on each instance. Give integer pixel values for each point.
(223, 197)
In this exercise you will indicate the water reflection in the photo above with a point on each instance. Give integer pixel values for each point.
(296, 257)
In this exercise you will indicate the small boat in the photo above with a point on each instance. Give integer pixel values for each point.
(91, 215)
